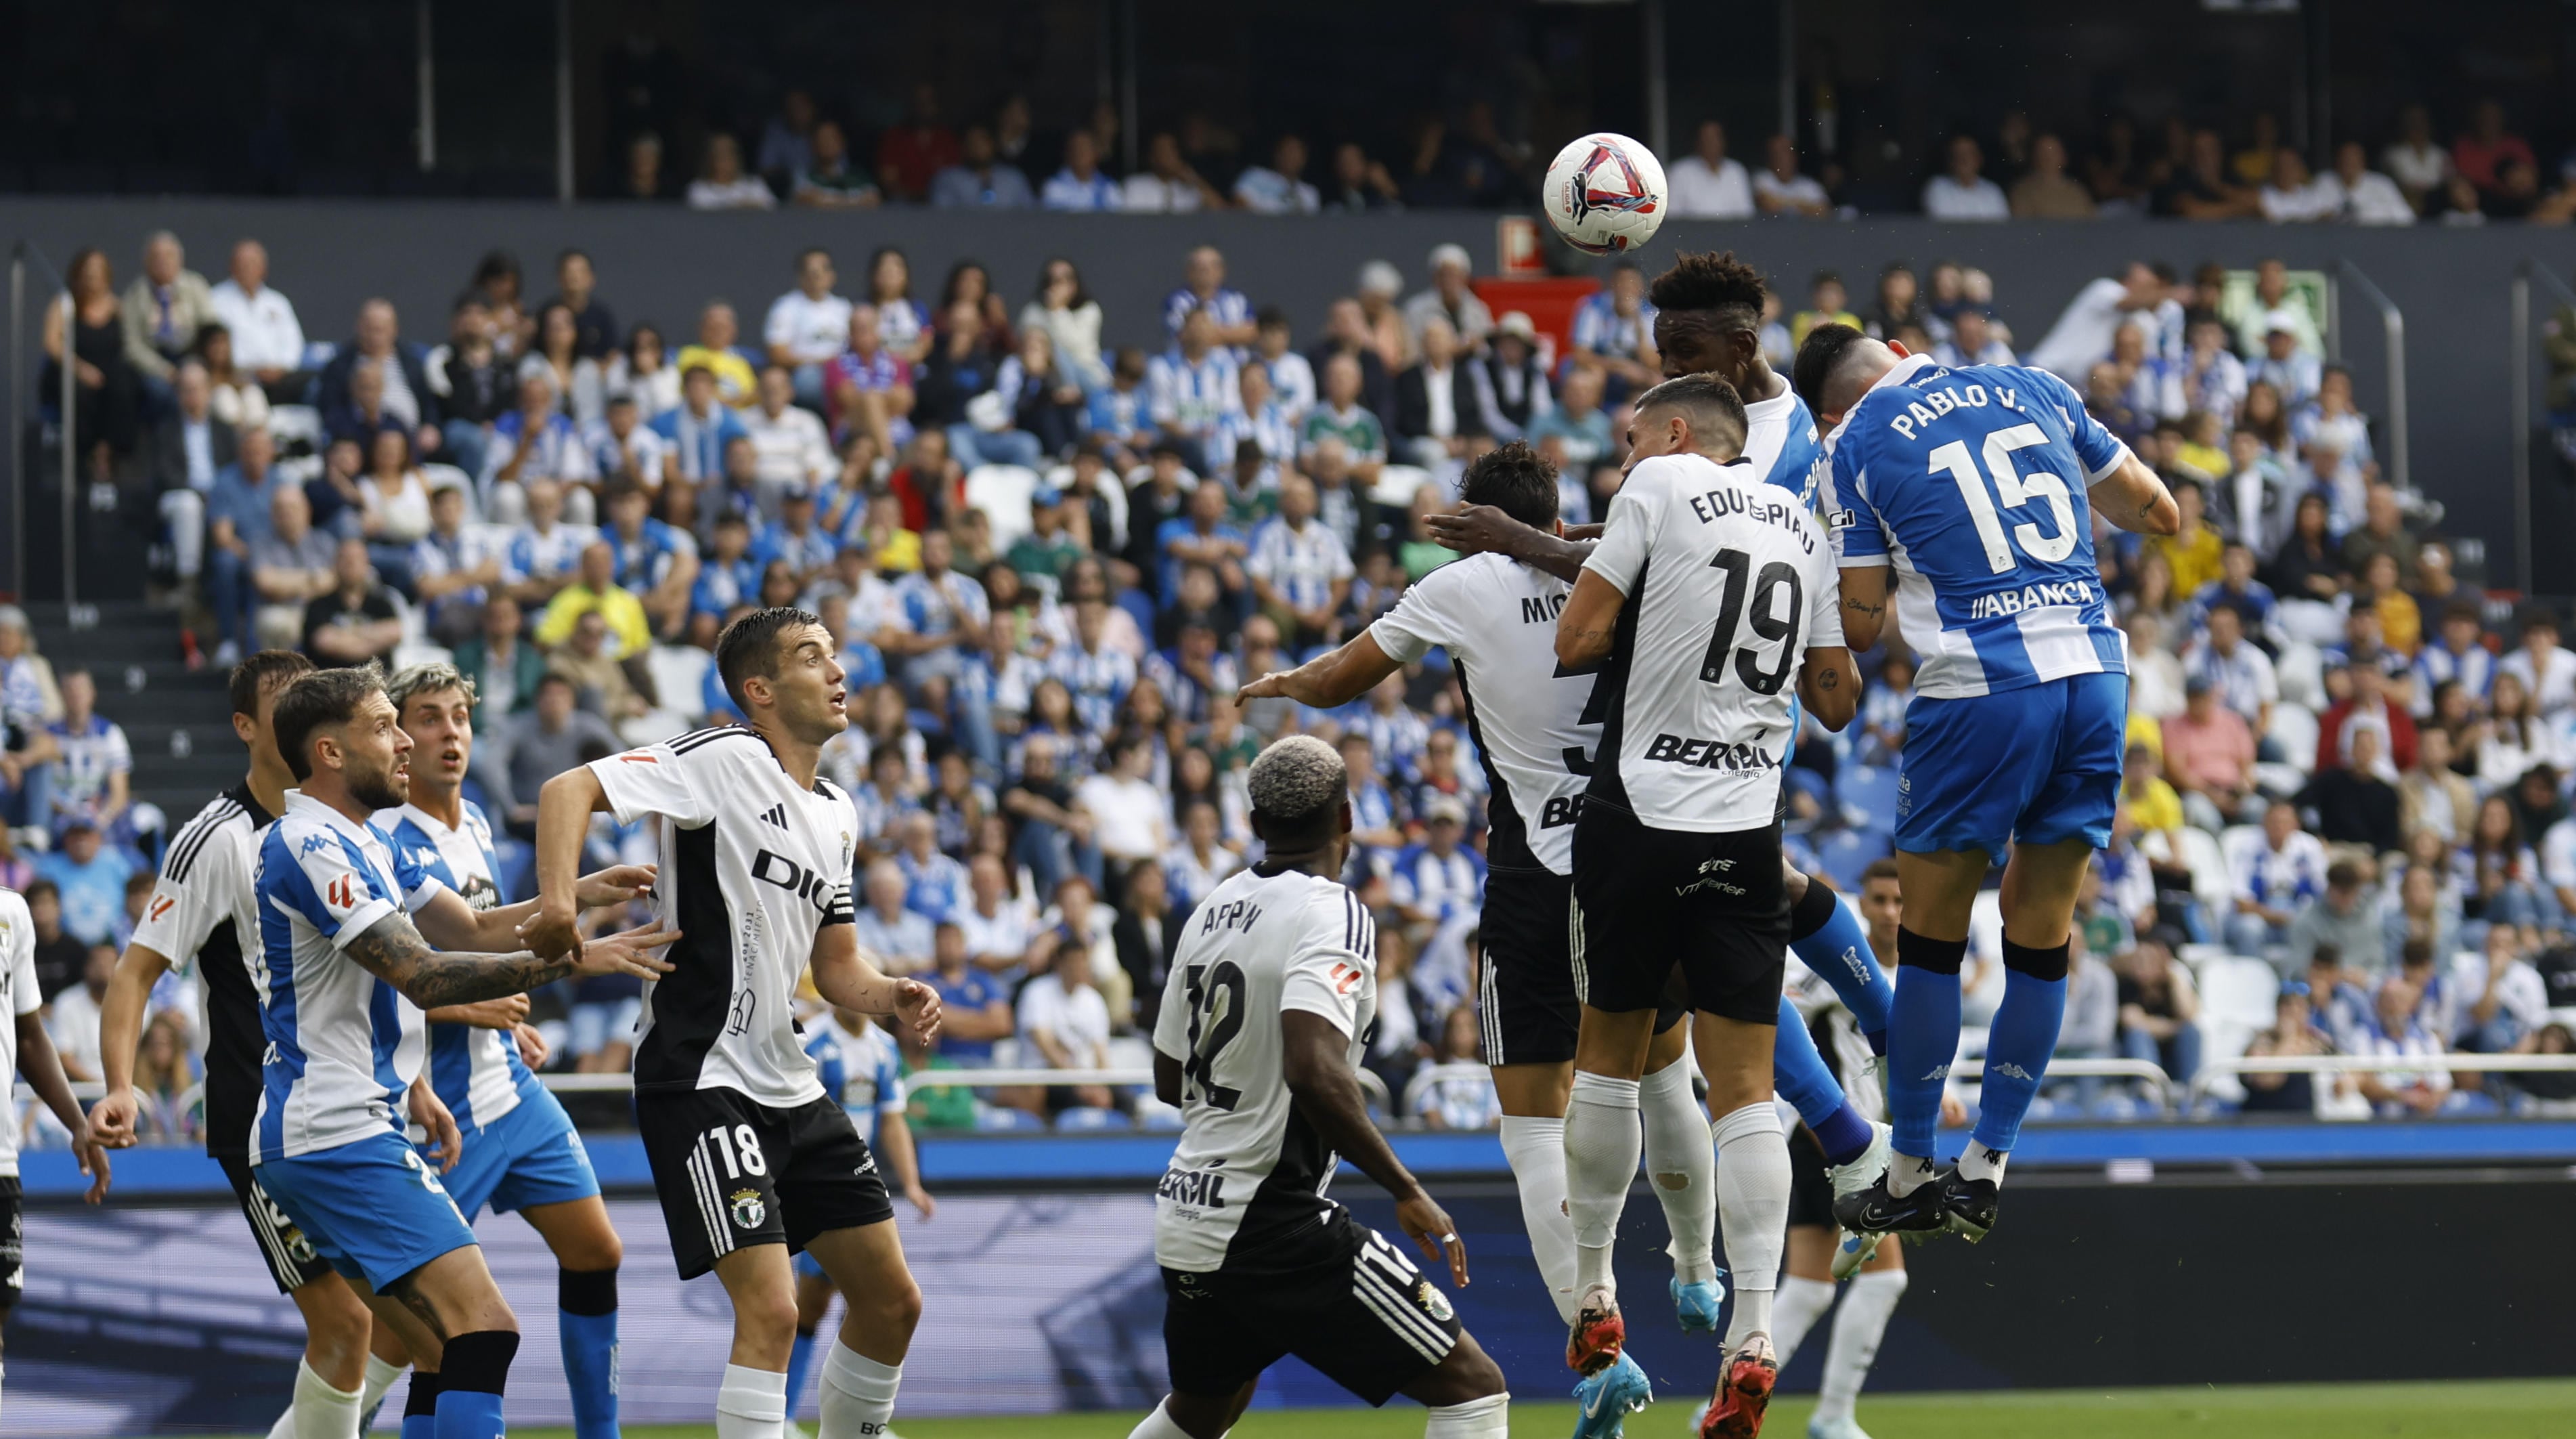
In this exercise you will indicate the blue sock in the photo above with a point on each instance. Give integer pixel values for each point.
(586, 1326)
(800, 1360)
(1922, 1036)
(420, 1409)
(1838, 949)
(469, 1414)
(2018, 1045)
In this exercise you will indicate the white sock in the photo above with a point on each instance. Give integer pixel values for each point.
(1159, 1425)
(380, 1377)
(1682, 1167)
(1906, 1173)
(751, 1404)
(1486, 1418)
(858, 1394)
(1979, 1162)
(284, 1428)
(1857, 1331)
(1535, 1148)
(1753, 1206)
(1800, 1304)
(322, 1412)
(1601, 1148)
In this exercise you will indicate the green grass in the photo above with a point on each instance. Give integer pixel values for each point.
(2465, 1410)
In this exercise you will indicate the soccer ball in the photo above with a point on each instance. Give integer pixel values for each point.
(1605, 194)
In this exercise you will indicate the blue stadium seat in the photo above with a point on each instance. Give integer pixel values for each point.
(1159, 1119)
(1872, 790)
(1140, 607)
(995, 1119)
(1088, 1119)
(1846, 852)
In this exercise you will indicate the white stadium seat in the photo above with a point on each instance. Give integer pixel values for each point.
(1002, 493)
(2295, 728)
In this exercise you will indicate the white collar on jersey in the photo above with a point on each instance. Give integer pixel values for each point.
(298, 802)
(1903, 372)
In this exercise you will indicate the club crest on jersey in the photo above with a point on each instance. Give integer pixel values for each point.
(747, 1209)
(1433, 1302)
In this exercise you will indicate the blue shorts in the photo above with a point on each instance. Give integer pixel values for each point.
(2039, 764)
(528, 1157)
(371, 1207)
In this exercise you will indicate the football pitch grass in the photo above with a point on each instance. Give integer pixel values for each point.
(2480, 1409)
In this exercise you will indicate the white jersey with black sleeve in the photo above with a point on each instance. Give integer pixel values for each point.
(1250, 1172)
(1497, 619)
(1729, 582)
(754, 866)
(203, 917)
(18, 988)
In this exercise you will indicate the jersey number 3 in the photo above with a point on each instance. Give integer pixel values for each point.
(1212, 1028)
(2015, 489)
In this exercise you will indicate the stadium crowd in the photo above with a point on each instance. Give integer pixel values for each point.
(2020, 169)
(1051, 564)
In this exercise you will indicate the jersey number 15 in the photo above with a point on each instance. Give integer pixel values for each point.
(2015, 489)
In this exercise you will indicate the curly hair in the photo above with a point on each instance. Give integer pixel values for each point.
(1715, 282)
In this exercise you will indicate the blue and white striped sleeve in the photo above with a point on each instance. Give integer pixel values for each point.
(1859, 536)
(2097, 449)
(332, 886)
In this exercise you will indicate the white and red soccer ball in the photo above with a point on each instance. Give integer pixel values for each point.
(1605, 194)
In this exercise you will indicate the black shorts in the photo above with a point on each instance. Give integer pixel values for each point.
(1340, 1297)
(1528, 1004)
(292, 1262)
(13, 1248)
(1811, 1188)
(732, 1173)
(1648, 899)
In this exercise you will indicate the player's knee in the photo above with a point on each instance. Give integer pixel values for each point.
(1469, 1374)
(896, 1305)
(592, 1248)
(766, 1318)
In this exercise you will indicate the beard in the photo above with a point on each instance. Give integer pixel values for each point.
(380, 789)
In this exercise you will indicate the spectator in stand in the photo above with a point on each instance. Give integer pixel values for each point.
(1780, 190)
(534, 745)
(1192, 386)
(995, 922)
(701, 430)
(1613, 335)
(1203, 288)
(289, 566)
(1438, 881)
(2275, 876)
(2046, 192)
(93, 766)
(975, 1004)
(2397, 1033)
(2545, 670)
(2291, 195)
(900, 939)
(236, 516)
(1450, 299)
(622, 447)
(2209, 756)
(1168, 185)
(1360, 184)
(407, 396)
(577, 290)
(1080, 186)
(594, 590)
(2345, 917)
(73, 1021)
(2480, 155)
(2355, 803)
(1973, 340)
(718, 329)
(1299, 570)
(556, 354)
(934, 885)
(1705, 184)
(939, 616)
(2236, 669)
(2507, 1002)
(1130, 816)
(163, 309)
(723, 184)
(1828, 303)
(2419, 166)
(237, 398)
(829, 179)
(267, 339)
(59, 955)
(2158, 1007)
(355, 621)
(602, 685)
(911, 154)
(654, 561)
(88, 876)
(979, 180)
(807, 325)
(393, 506)
(1065, 1024)
(2363, 196)
(1280, 187)
(1435, 424)
(2456, 653)
(545, 551)
(793, 449)
(1961, 191)
(1578, 427)
(869, 387)
(2202, 187)
(190, 445)
(2514, 737)
(1510, 382)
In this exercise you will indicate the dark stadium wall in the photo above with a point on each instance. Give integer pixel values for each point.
(661, 263)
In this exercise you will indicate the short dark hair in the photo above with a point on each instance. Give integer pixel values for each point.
(41, 889)
(1711, 403)
(262, 672)
(1817, 360)
(1515, 479)
(749, 646)
(2343, 874)
(319, 699)
(1708, 290)
(1883, 867)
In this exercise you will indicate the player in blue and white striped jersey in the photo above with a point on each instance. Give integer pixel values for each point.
(339, 956)
(522, 1154)
(1969, 494)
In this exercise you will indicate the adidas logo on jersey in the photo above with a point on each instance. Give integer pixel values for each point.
(776, 814)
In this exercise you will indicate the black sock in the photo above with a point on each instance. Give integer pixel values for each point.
(423, 1403)
(1813, 911)
(479, 1362)
(1941, 956)
(586, 1291)
(2048, 963)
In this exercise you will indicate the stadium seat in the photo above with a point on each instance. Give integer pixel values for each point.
(995, 1119)
(1397, 485)
(1139, 607)
(2295, 728)
(2301, 670)
(1090, 1119)
(1002, 493)
(679, 676)
(1844, 853)
(2210, 883)
(1872, 790)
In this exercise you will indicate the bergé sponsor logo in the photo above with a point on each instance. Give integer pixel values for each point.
(1198, 1188)
(1697, 753)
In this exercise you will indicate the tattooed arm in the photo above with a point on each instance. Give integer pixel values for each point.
(1829, 683)
(1864, 590)
(2133, 498)
(393, 951)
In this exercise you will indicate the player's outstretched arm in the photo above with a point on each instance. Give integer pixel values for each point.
(2135, 498)
(1829, 686)
(1589, 621)
(43, 1069)
(1316, 1063)
(1327, 680)
(120, 1031)
(450, 923)
(393, 951)
(1478, 529)
(1864, 589)
(844, 977)
(507, 1013)
(564, 808)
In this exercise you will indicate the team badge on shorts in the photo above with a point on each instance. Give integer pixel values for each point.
(1433, 1302)
(748, 1210)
